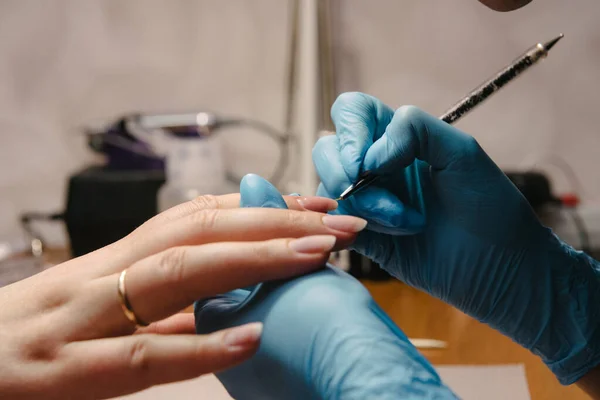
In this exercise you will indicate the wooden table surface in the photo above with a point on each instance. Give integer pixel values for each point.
(469, 341)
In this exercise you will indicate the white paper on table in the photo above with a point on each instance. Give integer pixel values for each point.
(490, 382)
(206, 387)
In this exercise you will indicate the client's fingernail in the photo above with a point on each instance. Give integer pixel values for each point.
(344, 223)
(317, 203)
(244, 336)
(313, 244)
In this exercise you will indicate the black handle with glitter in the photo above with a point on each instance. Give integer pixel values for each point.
(473, 99)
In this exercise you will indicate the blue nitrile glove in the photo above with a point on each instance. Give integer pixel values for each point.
(324, 337)
(445, 219)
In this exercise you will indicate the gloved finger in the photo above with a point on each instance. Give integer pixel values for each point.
(256, 191)
(381, 208)
(327, 160)
(411, 134)
(356, 351)
(383, 216)
(388, 214)
(209, 310)
(359, 121)
(376, 246)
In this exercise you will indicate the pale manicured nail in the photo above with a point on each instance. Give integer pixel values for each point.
(244, 336)
(344, 223)
(317, 203)
(313, 244)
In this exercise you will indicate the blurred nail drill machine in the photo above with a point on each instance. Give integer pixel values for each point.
(152, 162)
(105, 203)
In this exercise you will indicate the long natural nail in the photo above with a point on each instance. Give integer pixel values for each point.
(313, 244)
(317, 203)
(243, 337)
(344, 223)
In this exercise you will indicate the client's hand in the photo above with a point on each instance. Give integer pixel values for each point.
(64, 333)
(324, 337)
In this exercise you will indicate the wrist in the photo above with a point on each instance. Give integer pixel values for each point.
(565, 302)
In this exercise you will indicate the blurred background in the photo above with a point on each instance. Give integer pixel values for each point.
(101, 83)
(68, 65)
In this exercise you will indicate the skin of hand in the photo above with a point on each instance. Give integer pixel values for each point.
(324, 337)
(63, 333)
(445, 219)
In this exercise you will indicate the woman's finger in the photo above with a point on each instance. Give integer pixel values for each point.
(239, 224)
(119, 366)
(302, 203)
(165, 283)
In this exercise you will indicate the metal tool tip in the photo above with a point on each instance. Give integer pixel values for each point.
(551, 43)
(347, 193)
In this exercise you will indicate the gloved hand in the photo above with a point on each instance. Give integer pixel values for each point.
(445, 219)
(324, 337)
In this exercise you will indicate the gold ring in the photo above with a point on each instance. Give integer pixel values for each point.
(125, 305)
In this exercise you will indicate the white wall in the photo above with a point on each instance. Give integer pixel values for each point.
(64, 64)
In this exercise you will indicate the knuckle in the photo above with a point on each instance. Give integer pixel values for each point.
(207, 201)
(206, 218)
(42, 348)
(471, 146)
(296, 219)
(348, 97)
(263, 250)
(171, 262)
(320, 147)
(409, 112)
(138, 357)
(344, 101)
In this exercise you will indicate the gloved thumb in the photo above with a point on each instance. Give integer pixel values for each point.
(256, 191)
(413, 134)
(210, 314)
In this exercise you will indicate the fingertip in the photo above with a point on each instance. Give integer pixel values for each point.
(323, 147)
(243, 338)
(327, 159)
(399, 144)
(227, 347)
(342, 102)
(317, 203)
(316, 244)
(351, 156)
